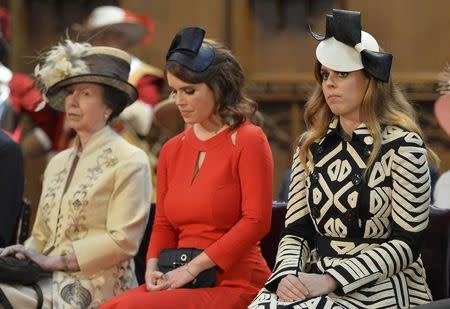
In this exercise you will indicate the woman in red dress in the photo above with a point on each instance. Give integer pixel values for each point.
(214, 185)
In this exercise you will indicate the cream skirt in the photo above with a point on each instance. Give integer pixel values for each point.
(21, 296)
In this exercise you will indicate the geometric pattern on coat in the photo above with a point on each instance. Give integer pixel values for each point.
(364, 228)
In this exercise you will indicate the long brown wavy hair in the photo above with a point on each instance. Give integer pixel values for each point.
(226, 79)
(383, 105)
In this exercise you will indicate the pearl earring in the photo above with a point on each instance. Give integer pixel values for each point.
(106, 116)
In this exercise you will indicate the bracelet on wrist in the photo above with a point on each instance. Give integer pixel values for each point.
(65, 261)
(186, 268)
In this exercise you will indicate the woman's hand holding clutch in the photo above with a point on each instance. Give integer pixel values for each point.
(48, 263)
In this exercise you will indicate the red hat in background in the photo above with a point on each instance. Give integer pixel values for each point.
(4, 34)
(135, 27)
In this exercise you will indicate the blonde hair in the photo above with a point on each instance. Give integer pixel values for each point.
(383, 105)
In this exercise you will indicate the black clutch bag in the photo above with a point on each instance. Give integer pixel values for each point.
(170, 259)
(23, 272)
(15, 271)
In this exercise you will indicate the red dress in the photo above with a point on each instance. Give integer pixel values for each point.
(225, 210)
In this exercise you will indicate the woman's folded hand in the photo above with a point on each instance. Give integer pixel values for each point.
(179, 277)
(156, 281)
(291, 289)
(317, 284)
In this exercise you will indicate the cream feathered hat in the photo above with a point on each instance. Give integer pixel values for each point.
(70, 63)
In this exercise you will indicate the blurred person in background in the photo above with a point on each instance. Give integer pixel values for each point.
(442, 113)
(11, 188)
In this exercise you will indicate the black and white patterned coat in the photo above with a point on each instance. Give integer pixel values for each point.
(366, 230)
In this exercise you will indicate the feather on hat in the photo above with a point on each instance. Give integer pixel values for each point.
(70, 62)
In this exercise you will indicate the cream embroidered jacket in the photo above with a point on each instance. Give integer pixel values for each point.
(101, 218)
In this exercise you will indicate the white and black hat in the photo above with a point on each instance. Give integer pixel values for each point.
(346, 48)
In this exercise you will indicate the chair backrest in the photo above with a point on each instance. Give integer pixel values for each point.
(22, 230)
(269, 244)
(140, 258)
(436, 253)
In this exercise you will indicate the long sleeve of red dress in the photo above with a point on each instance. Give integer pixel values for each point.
(255, 168)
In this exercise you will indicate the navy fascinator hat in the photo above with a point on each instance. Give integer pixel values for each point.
(189, 50)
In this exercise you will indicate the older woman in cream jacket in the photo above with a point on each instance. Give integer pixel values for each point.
(95, 197)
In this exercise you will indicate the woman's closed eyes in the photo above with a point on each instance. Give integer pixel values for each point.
(188, 91)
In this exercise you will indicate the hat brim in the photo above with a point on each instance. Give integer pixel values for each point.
(338, 56)
(343, 58)
(442, 112)
(56, 94)
(168, 118)
(135, 32)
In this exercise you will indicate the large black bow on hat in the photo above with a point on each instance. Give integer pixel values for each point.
(188, 49)
(345, 26)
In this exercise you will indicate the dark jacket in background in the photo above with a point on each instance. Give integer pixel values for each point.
(11, 188)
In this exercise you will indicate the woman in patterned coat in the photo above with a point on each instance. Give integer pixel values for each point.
(360, 189)
(95, 197)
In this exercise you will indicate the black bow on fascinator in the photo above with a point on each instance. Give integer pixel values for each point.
(345, 27)
(187, 49)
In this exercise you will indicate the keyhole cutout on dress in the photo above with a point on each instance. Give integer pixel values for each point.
(200, 158)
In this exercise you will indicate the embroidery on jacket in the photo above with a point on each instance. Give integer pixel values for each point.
(49, 198)
(124, 277)
(76, 295)
(78, 203)
(74, 291)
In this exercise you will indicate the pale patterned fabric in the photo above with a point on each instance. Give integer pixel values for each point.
(25, 296)
(101, 218)
(372, 226)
